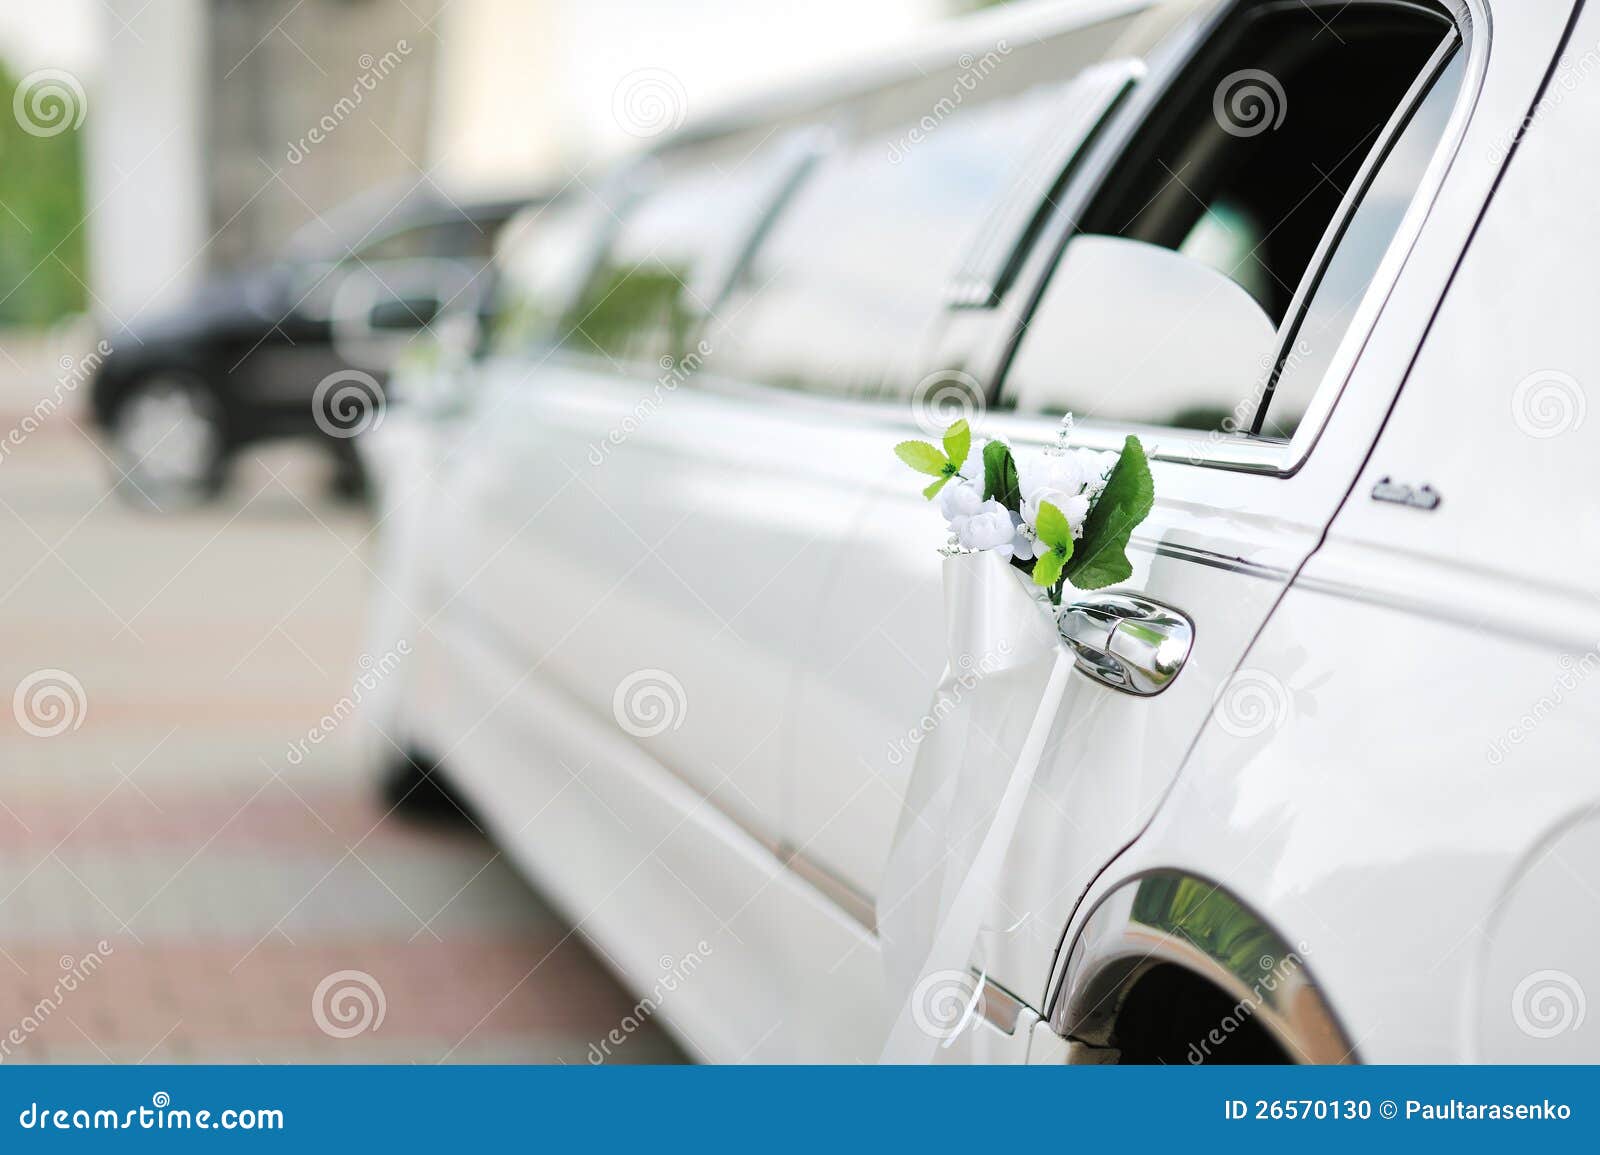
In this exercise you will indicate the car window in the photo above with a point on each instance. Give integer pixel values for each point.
(1242, 168)
(1350, 270)
(544, 255)
(844, 289)
(669, 262)
(858, 264)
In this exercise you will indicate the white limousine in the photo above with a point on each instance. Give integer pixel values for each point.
(1316, 787)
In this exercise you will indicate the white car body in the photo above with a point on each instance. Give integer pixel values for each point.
(673, 680)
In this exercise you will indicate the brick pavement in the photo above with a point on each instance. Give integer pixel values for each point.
(172, 886)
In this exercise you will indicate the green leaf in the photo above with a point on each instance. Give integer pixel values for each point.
(958, 442)
(936, 486)
(1101, 558)
(1054, 529)
(922, 457)
(1047, 570)
(1000, 481)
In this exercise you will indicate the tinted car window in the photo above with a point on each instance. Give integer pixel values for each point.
(859, 262)
(671, 257)
(1247, 161)
(855, 273)
(1243, 168)
(545, 254)
(1366, 238)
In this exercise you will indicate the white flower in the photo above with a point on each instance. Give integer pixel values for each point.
(1095, 468)
(1074, 507)
(959, 500)
(1056, 472)
(992, 527)
(1069, 481)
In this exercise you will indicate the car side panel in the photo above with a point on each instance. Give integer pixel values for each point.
(1413, 800)
(740, 956)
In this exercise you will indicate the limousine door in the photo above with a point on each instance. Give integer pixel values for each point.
(1248, 467)
(611, 546)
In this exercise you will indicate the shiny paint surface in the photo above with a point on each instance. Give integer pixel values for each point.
(686, 554)
(1414, 804)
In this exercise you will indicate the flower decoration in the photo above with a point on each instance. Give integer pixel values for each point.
(1064, 515)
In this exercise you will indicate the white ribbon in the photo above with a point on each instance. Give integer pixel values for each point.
(1001, 693)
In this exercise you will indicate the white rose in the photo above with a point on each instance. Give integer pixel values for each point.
(1095, 467)
(1074, 507)
(959, 500)
(1052, 473)
(990, 528)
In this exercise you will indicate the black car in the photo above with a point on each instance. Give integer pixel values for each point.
(299, 348)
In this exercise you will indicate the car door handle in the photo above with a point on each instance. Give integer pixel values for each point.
(1127, 642)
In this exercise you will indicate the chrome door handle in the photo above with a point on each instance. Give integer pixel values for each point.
(1128, 642)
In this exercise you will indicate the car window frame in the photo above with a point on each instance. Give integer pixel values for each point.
(794, 152)
(1168, 66)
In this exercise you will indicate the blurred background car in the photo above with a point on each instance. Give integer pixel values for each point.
(298, 347)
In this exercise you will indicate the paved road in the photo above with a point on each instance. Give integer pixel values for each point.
(173, 887)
